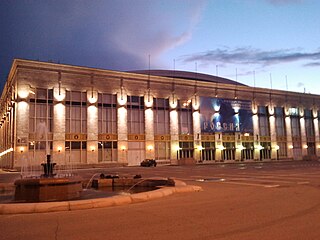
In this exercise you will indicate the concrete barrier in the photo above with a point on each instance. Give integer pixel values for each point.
(23, 208)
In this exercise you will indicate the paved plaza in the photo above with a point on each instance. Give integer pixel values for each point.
(239, 201)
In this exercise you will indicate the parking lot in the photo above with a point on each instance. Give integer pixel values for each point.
(240, 201)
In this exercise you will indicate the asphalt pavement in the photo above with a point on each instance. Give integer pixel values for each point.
(240, 201)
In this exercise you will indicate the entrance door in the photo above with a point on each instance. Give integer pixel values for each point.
(136, 153)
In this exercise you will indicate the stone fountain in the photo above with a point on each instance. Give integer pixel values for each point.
(47, 187)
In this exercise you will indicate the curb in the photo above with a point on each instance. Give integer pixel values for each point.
(23, 208)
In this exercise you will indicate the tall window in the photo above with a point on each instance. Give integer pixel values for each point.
(76, 123)
(263, 121)
(280, 124)
(281, 132)
(309, 123)
(40, 119)
(295, 126)
(310, 132)
(135, 111)
(107, 124)
(185, 119)
(161, 116)
(161, 127)
(107, 108)
(76, 112)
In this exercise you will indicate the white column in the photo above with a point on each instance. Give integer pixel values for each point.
(196, 128)
(256, 138)
(122, 123)
(22, 127)
(289, 137)
(303, 136)
(316, 130)
(219, 146)
(238, 145)
(149, 126)
(273, 137)
(92, 127)
(59, 127)
(174, 129)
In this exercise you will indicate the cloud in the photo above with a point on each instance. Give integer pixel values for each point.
(300, 84)
(248, 55)
(313, 64)
(105, 34)
(284, 2)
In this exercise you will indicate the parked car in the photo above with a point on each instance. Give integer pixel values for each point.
(148, 163)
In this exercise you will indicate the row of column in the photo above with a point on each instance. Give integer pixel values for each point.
(59, 128)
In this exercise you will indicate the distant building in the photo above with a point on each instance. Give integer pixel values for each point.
(84, 116)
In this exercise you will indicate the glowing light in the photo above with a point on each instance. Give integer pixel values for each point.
(221, 147)
(122, 98)
(173, 102)
(21, 149)
(123, 148)
(148, 100)
(200, 148)
(6, 151)
(259, 147)
(59, 149)
(178, 148)
(59, 94)
(23, 93)
(276, 147)
(92, 96)
(305, 146)
(93, 148)
(290, 147)
(241, 147)
(150, 148)
(271, 109)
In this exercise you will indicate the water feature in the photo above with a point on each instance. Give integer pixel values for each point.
(47, 186)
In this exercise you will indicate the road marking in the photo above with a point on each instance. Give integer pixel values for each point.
(302, 183)
(253, 184)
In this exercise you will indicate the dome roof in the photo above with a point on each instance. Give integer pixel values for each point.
(188, 75)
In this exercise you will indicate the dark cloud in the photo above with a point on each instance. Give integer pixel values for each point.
(284, 2)
(247, 55)
(100, 33)
(313, 64)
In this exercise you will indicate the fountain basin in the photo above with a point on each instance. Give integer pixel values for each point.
(47, 189)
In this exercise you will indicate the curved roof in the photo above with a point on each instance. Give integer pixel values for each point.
(188, 75)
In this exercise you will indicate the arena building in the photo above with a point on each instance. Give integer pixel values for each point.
(86, 116)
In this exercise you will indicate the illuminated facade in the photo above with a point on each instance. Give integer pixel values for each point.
(85, 116)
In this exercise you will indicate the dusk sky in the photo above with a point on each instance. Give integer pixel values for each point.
(275, 39)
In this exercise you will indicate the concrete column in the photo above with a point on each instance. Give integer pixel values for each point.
(22, 127)
(122, 123)
(219, 146)
(289, 137)
(59, 127)
(92, 127)
(303, 136)
(196, 128)
(316, 131)
(256, 137)
(174, 129)
(273, 137)
(174, 132)
(149, 127)
(59, 130)
(238, 145)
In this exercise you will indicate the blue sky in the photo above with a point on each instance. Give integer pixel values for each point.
(261, 42)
